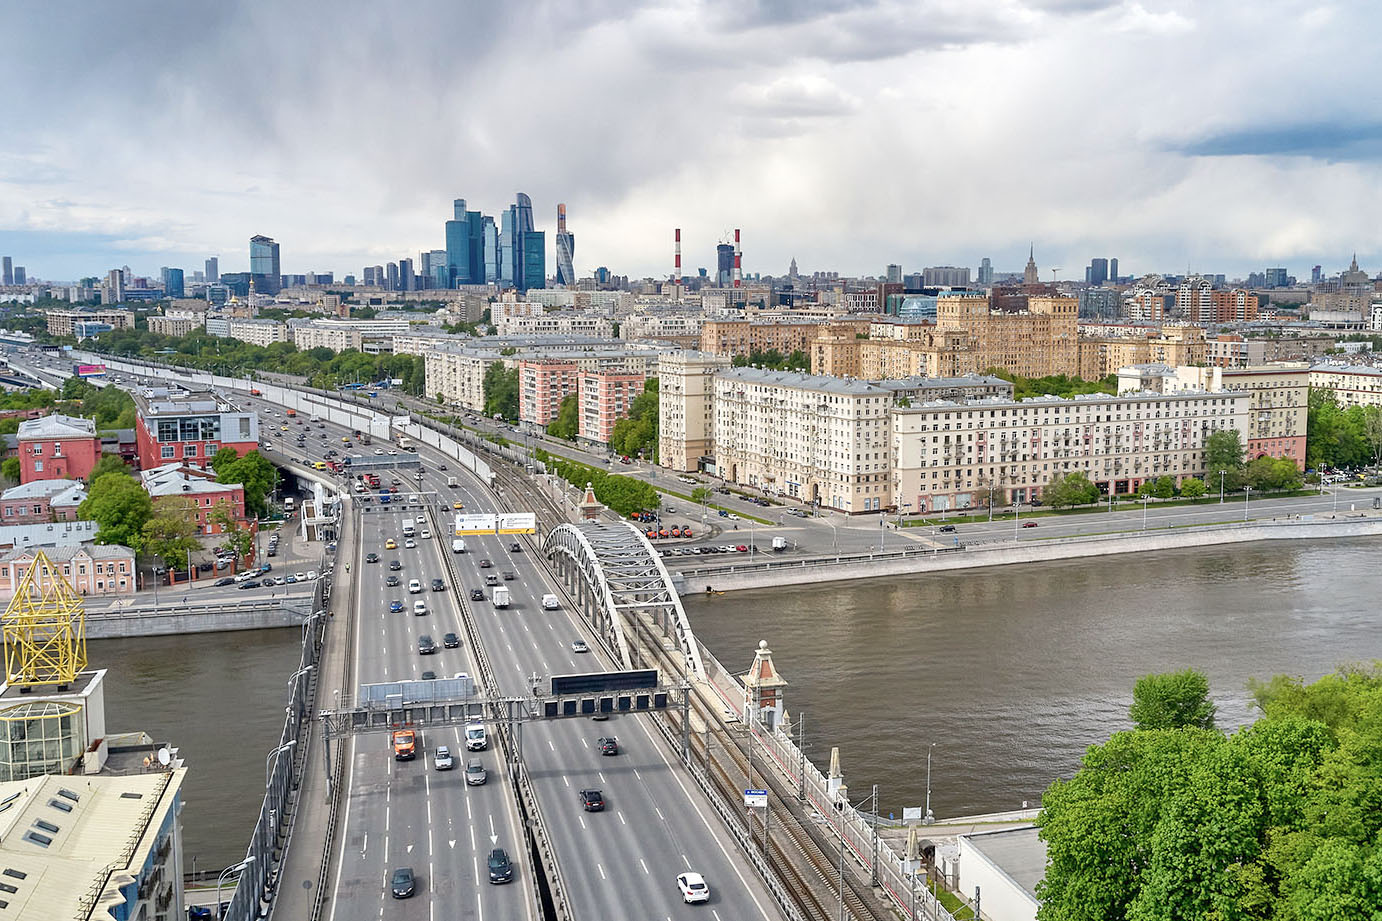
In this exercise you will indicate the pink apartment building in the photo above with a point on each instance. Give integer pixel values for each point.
(542, 385)
(605, 397)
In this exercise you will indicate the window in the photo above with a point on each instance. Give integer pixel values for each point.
(189, 450)
(38, 466)
(167, 452)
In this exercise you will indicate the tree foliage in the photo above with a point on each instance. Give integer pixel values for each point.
(623, 494)
(119, 505)
(501, 391)
(11, 469)
(1223, 453)
(109, 463)
(1267, 473)
(1069, 489)
(1338, 437)
(1193, 487)
(568, 421)
(1054, 384)
(170, 533)
(774, 360)
(237, 536)
(1280, 821)
(638, 432)
(253, 472)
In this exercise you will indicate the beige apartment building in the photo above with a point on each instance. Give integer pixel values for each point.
(258, 332)
(1352, 385)
(173, 326)
(686, 396)
(1039, 340)
(743, 337)
(816, 439)
(319, 335)
(1277, 415)
(956, 455)
(459, 375)
(61, 322)
(1102, 355)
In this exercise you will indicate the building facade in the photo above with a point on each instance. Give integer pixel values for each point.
(686, 398)
(744, 337)
(91, 569)
(62, 322)
(41, 501)
(257, 332)
(605, 398)
(173, 326)
(817, 439)
(1039, 340)
(1277, 415)
(961, 455)
(57, 447)
(542, 385)
(1350, 385)
(175, 425)
(197, 487)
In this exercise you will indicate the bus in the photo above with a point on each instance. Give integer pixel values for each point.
(405, 443)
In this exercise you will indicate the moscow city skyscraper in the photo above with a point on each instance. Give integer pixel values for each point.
(523, 250)
(566, 250)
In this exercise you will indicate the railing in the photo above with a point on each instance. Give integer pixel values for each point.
(298, 604)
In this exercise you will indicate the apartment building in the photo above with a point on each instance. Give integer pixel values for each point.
(949, 455)
(744, 337)
(1351, 385)
(817, 439)
(459, 375)
(63, 322)
(1277, 415)
(42, 501)
(682, 329)
(1229, 350)
(605, 398)
(255, 331)
(325, 335)
(91, 569)
(686, 397)
(1103, 354)
(174, 326)
(172, 482)
(1035, 340)
(57, 447)
(419, 340)
(176, 425)
(928, 389)
(542, 385)
(561, 323)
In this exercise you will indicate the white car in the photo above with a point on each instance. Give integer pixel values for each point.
(426, 534)
(422, 519)
(414, 586)
(693, 888)
(442, 757)
(410, 544)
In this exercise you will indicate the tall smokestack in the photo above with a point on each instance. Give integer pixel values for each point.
(676, 268)
(738, 260)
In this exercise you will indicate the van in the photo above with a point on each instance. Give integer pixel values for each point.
(475, 738)
(451, 482)
(408, 530)
(779, 543)
(457, 545)
(404, 745)
(550, 603)
(501, 597)
(419, 608)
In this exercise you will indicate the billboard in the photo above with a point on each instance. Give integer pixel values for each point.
(88, 370)
(517, 523)
(474, 524)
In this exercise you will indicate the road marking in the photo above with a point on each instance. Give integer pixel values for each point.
(581, 819)
(566, 780)
(621, 818)
(364, 846)
(660, 816)
(602, 871)
(643, 865)
(638, 775)
(685, 861)
(601, 775)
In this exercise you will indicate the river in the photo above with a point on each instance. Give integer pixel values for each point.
(1011, 672)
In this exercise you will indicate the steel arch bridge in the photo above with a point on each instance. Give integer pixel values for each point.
(613, 573)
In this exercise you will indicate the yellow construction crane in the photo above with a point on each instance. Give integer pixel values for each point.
(44, 628)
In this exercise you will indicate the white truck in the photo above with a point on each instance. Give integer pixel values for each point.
(501, 597)
(457, 545)
(550, 603)
(475, 739)
(779, 543)
(452, 483)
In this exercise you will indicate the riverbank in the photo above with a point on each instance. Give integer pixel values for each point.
(874, 565)
(177, 619)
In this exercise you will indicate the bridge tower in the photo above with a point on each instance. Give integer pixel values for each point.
(44, 630)
(762, 688)
(590, 506)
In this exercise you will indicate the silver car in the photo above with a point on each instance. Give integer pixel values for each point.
(442, 759)
(475, 772)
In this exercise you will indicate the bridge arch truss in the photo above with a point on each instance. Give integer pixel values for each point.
(614, 573)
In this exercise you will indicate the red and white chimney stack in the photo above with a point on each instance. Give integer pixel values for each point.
(738, 260)
(676, 268)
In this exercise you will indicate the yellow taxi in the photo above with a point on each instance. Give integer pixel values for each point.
(457, 505)
(390, 544)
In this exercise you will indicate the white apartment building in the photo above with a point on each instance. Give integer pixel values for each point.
(459, 375)
(1352, 385)
(661, 326)
(420, 340)
(173, 326)
(257, 332)
(318, 334)
(815, 438)
(686, 396)
(564, 323)
(948, 455)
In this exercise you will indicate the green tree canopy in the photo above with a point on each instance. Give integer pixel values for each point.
(567, 423)
(237, 536)
(1223, 453)
(1069, 489)
(501, 391)
(119, 505)
(1192, 487)
(639, 431)
(1171, 701)
(170, 533)
(253, 472)
(109, 463)
(11, 469)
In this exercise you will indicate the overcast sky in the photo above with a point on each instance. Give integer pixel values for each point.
(1213, 136)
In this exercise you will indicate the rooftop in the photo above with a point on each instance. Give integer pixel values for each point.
(40, 488)
(172, 401)
(800, 381)
(66, 552)
(179, 480)
(1018, 852)
(56, 425)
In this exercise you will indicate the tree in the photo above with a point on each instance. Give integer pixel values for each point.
(11, 469)
(119, 505)
(237, 535)
(1172, 700)
(501, 391)
(1069, 489)
(567, 423)
(255, 474)
(1193, 487)
(1223, 453)
(700, 494)
(171, 531)
(109, 463)
(1163, 487)
(223, 458)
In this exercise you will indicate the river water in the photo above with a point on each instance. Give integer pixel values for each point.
(218, 698)
(1011, 672)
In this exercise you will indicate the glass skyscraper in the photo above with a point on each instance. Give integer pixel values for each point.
(465, 246)
(566, 251)
(490, 233)
(173, 285)
(524, 248)
(265, 268)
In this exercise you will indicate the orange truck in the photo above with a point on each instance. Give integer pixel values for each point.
(255, 393)
(404, 745)
(291, 413)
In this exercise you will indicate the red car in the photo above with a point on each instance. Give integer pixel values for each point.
(742, 548)
(1029, 524)
(663, 533)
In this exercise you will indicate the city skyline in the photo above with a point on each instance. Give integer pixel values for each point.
(987, 128)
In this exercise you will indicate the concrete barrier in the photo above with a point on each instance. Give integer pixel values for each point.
(809, 571)
(173, 619)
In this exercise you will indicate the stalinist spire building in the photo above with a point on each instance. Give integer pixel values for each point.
(1030, 276)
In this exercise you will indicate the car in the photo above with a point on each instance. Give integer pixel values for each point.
(475, 773)
(438, 585)
(485, 563)
(491, 579)
(1029, 524)
(390, 544)
(414, 586)
(693, 888)
(302, 577)
(250, 583)
(457, 506)
(425, 645)
(477, 594)
(227, 580)
(592, 801)
(379, 452)
(608, 745)
(450, 641)
(393, 581)
(395, 565)
(742, 548)
(402, 884)
(419, 608)
(429, 675)
(410, 544)
(515, 547)
(426, 534)
(422, 519)
(579, 646)
(509, 576)
(372, 558)
(947, 529)
(395, 606)
(500, 867)
(441, 759)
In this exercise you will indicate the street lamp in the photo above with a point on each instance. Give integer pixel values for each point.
(298, 674)
(273, 757)
(1246, 494)
(1147, 497)
(930, 816)
(238, 867)
(1222, 474)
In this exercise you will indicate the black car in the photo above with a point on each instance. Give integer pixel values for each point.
(947, 529)
(508, 576)
(395, 565)
(608, 745)
(477, 594)
(227, 580)
(515, 547)
(402, 885)
(500, 867)
(485, 563)
(372, 558)
(425, 645)
(252, 583)
(592, 801)
(438, 585)
(392, 580)
(450, 641)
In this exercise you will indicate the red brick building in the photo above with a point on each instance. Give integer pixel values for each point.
(57, 447)
(175, 426)
(198, 486)
(40, 501)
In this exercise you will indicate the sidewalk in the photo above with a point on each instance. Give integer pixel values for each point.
(308, 849)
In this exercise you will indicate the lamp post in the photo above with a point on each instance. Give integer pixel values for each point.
(1145, 499)
(273, 756)
(1335, 510)
(930, 817)
(221, 879)
(1246, 494)
(1222, 474)
(298, 674)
